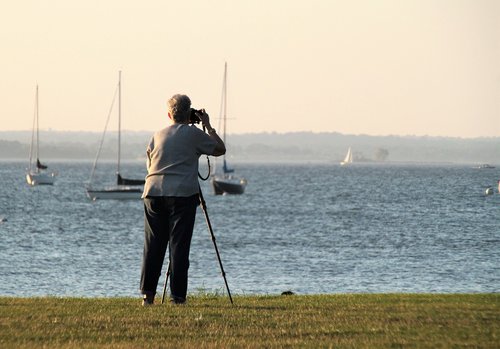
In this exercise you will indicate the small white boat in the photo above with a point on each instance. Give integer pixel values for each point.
(37, 173)
(484, 166)
(348, 158)
(34, 178)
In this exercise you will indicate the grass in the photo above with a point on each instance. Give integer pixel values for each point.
(319, 321)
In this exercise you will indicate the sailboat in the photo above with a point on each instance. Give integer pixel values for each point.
(125, 188)
(37, 172)
(348, 158)
(226, 182)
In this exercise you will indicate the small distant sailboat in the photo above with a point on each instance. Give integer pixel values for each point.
(36, 173)
(484, 166)
(226, 183)
(125, 189)
(348, 158)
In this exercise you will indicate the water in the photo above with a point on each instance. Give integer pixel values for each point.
(312, 229)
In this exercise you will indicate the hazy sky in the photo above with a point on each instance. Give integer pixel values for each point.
(378, 67)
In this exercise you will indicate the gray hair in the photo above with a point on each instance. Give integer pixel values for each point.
(179, 107)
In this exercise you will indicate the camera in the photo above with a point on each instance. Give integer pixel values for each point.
(193, 118)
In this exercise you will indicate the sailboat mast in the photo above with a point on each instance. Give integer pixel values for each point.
(119, 118)
(37, 128)
(225, 101)
(33, 128)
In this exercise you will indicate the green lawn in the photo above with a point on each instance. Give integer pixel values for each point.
(319, 321)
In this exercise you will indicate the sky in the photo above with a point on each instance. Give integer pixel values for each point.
(376, 67)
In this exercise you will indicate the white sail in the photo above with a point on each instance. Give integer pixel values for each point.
(348, 158)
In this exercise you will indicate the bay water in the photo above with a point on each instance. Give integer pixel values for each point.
(309, 228)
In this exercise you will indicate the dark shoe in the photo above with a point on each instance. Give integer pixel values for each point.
(177, 300)
(148, 300)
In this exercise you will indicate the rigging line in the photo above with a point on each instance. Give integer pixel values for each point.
(119, 121)
(37, 126)
(221, 103)
(102, 137)
(225, 102)
(33, 128)
(222, 107)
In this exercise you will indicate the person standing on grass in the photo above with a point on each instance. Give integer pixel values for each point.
(171, 196)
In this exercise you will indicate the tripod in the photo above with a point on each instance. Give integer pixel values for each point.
(209, 225)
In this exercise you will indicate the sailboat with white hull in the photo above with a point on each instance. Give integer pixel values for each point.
(227, 182)
(37, 173)
(125, 188)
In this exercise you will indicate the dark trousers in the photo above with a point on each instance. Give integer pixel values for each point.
(168, 221)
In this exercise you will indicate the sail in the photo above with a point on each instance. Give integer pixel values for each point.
(127, 181)
(40, 166)
(348, 158)
(226, 169)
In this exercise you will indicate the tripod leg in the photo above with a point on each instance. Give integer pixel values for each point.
(165, 284)
(204, 208)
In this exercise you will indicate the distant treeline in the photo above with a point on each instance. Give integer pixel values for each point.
(275, 147)
(72, 151)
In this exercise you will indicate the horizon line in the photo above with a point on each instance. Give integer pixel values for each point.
(267, 132)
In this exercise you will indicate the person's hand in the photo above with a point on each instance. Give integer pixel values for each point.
(205, 119)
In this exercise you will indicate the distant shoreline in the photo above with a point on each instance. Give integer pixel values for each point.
(296, 147)
(267, 162)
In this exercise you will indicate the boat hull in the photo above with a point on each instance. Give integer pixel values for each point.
(40, 178)
(228, 186)
(485, 167)
(115, 194)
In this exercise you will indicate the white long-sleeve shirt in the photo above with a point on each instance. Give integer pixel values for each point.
(172, 160)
